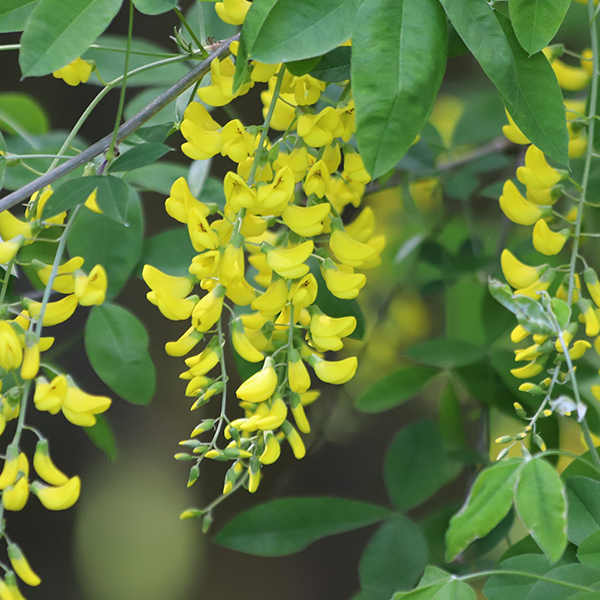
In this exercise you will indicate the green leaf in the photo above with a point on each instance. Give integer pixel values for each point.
(138, 156)
(289, 525)
(102, 436)
(589, 550)
(298, 68)
(575, 576)
(57, 32)
(336, 307)
(394, 559)
(536, 21)
(14, 13)
(540, 500)
(583, 496)
(111, 196)
(527, 85)
(284, 30)
(334, 67)
(117, 248)
(416, 466)
(22, 113)
(488, 503)
(445, 354)
(154, 7)
(582, 467)
(156, 178)
(516, 587)
(450, 418)
(152, 134)
(398, 61)
(116, 344)
(394, 389)
(438, 585)
(169, 251)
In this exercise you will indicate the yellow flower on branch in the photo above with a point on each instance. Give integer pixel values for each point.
(76, 72)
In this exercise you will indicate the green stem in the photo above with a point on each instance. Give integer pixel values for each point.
(589, 150)
(191, 32)
(265, 130)
(113, 141)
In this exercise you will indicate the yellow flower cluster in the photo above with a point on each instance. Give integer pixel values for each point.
(21, 348)
(257, 258)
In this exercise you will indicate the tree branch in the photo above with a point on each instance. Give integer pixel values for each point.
(125, 130)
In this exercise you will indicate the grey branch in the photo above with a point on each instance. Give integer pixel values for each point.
(126, 129)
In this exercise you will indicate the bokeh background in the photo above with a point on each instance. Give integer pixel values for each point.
(123, 539)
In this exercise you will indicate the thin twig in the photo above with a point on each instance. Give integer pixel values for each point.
(125, 130)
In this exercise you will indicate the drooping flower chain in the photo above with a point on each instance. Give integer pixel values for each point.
(283, 206)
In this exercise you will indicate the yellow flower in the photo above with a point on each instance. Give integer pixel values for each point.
(181, 201)
(208, 310)
(10, 469)
(50, 396)
(179, 287)
(289, 263)
(76, 72)
(592, 284)
(242, 293)
(64, 281)
(231, 266)
(8, 250)
(354, 168)
(304, 292)
(306, 221)
(272, 450)
(220, 90)
(518, 274)
(534, 290)
(45, 467)
(201, 234)
(91, 289)
(306, 89)
(273, 198)
(262, 72)
(31, 361)
(294, 440)
(173, 308)
(184, 344)
(319, 129)
(513, 133)
(296, 160)
(347, 121)
(242, 344)
(297, 373)
(205, 264)
(317, 180)
(326, 331)
(361, 229)
(59, 497)
(80, 408)
(537, 173)
(341, 280)
(336, 372)
(517, 209)
(233, 11)
(348, 251)
(299, 414)
(56, 312)
(261, 385)
(202, 363)
(237, 193)
(546, 241)
(15, 497)
(275, 416)
(588, 313)
(569, 78)
(11, 353)
(21, 565)
(273, 300)
(201, 132)
(11, 227)
(528, 371)
(237, 143)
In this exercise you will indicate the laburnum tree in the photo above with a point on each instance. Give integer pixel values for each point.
(371, 202)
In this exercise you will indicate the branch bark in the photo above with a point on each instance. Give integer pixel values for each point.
(125, 130)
